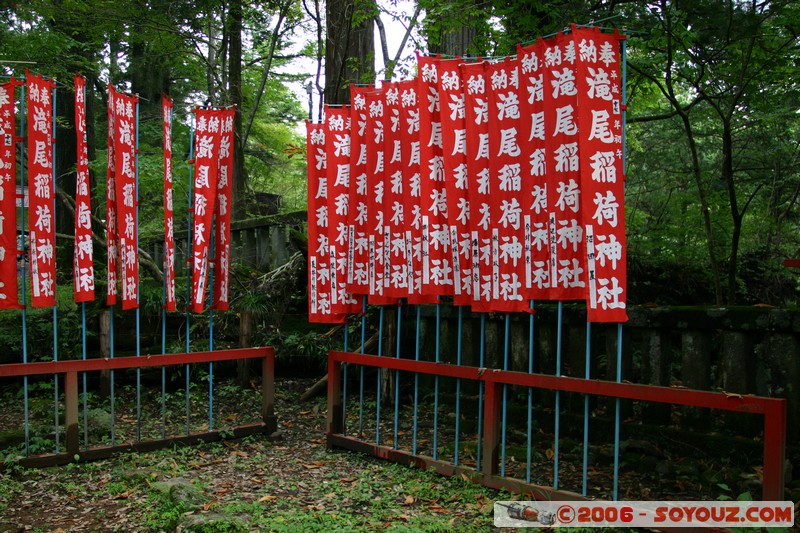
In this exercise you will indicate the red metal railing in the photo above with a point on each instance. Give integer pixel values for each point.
(71, 368)
(772, 409)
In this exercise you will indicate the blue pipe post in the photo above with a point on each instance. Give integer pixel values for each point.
(416, 383)
(458, 382)
(361, 369)
(344, 378)
(138, 313)
(617, 422)
(23, 276)
(530, 396)
(587, 376)
(557, 428)
(481, 364)
(506, 350)
(378, 387)
(190, 246)
(436, 384)
(397, 376)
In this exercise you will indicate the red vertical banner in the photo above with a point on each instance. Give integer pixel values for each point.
(480, 186)
(412, 197)
(437, 261)
(394, 189)
(83, 273)
(9, 285)
(125, 189)
(112, 243)
(222, 212)
(206, 172)
(534, 163)
(358, 259)
(169, 219)
(337, 154)
(454, 161)
(374, 138)
(602, 181)
(41, 191)
(567, 246)
(319, 270)
(505, 173)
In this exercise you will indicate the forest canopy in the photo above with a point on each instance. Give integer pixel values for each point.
(713, 138)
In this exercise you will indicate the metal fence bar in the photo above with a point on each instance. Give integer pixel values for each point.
(23, 270)
(436, 383)
(416, 382)
(397, 376)
(557, 421)
(773, 409)
(587, 375)
(481, 363)
(189, 255)
(504, 425)
(378, 386)
(528, 457)
(617, 420)
(71, 368)
(137, 312)
(346, 347)
(458, 383)
(111, 377)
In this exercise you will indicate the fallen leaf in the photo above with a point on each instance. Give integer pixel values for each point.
(209, 505)
(268, 498)
(436, 508)
(409, 500)
(549, 453)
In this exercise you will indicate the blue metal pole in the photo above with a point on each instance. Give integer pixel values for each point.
(436, 385)
(557, 427)
(85, 394)
(617, 421)
(111, 375)
(378, 388)
(416, 383)
(344, 380)
(458, 383)
(189, 246)
(55, 308)
(506, 349)
(397, 376)
(361, 368)
(617, 414)
(24, 276)
(138, 297)
(481, 363)
(587, 376)
(530, 396)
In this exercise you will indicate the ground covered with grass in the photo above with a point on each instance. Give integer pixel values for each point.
(291, 483)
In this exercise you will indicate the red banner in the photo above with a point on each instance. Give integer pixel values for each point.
(126, 193)
(374, 137)
(412, 197)
(222, 212)
(41, 191)
(437, 260)
(534, 161)
(9, 285)
(112, 244)
(358, 259)
(83, 268)
(206, 172)
(567, 237)
(476, 106)
(454, 162)
(337, 153)
(319, 271)
(507, 199)
(601, 177)
(169, 219)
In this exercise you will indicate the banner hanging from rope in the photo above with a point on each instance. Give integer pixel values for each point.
(222, 212)
(9, 284)
(83, 268)
(169, 218)
(501, 184)
(41, 191)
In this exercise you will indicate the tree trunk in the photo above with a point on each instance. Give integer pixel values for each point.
(245, 341)
(240, 182)
(349, 47)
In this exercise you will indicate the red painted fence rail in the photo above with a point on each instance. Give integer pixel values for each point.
(772, 409)
(71, 368)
